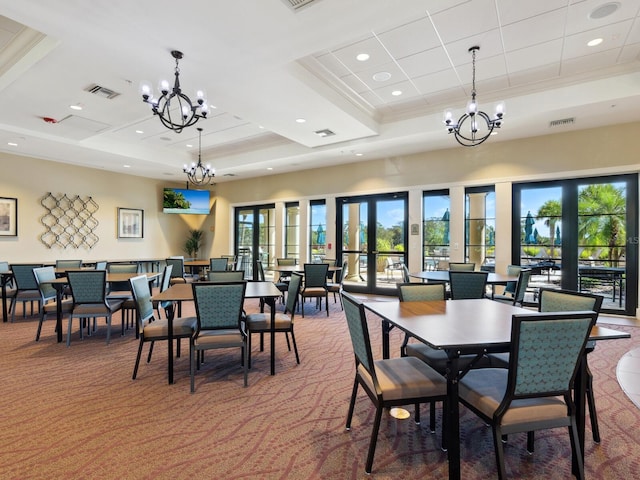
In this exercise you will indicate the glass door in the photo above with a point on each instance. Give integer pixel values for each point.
(371, 237)
(255, 238)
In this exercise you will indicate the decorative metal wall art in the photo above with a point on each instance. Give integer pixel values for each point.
(69, 221)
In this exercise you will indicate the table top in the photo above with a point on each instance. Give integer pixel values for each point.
(443, 276)
(196, 263)
(112, 277)
(183, 292)
(462, 324)
(298, 268)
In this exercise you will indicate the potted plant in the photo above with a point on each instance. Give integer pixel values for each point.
(193, 243)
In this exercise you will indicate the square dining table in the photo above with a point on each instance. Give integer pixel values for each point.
(461, 327)
(183, 292)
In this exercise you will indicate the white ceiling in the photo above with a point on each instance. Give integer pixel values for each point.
(264, 65)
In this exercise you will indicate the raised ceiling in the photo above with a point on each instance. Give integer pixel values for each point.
(267, 63)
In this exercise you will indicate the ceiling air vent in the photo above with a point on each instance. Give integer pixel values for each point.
(101, 91)
(562, 122)
(324, 133)
(298, 4)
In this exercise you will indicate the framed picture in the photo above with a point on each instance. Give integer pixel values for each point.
(130, 223)
(8, 217)
(415, 229)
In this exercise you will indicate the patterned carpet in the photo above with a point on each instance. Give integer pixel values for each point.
(75, 413)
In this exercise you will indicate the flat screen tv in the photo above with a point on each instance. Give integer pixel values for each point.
(182, 200)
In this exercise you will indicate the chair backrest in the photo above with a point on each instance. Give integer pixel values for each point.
(552, 300)
(461, 267)
(218, 305)
(286, 261)
(4, 267)
(293, 291)
(166, 277)
(218, 264)
(406, 278)
(420, 292)
(512, 271)
(178, 266)
(225, 276)
(230, 259)
(43, 275)
(343, 271)
(261, 277)
(315, 274)
(121, 268)
(68, 263)
(142, 300)
(466, 285)
(101, 265)
(23, 275)
(545, 351)
(359, 333)
(87, 286)
(521, 286)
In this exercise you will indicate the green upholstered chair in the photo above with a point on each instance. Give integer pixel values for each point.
(535, 392)
(48, 297)
(151, 329)
(178, 274)
(261, 322)
(218, 264)
(26, 287)
(461, 267)
(68, 264)
(220, 322)
(336, 287)
(122, 291)
(467, 285)
(389, 382)
(315, 284)
(510, 287)
(524, 275)
(225, 276)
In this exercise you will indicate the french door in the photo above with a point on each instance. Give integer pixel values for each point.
(254, 238)
(371, 237)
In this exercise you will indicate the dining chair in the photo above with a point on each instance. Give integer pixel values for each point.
(26, 287)
(219, 322)
(282, 286)
(178, 274)
(101, 265)
(512, 271)
(261, 322)
(467, 284)
(10, 292)
(164, 284)
(389, 382)
(225, 276)
(315, 285)
(517, 297)
(535, 391)
(151, 329)
(88, 288)
(122, 291)
(48, 296)
(218, 264)
(68, 264)
(336, 287)
(461, 267)
(285, 262)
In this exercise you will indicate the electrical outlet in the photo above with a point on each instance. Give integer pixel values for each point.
(455, 246)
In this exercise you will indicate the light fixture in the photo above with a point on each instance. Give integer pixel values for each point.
(474, 126)
(174, 108)
(199, 174)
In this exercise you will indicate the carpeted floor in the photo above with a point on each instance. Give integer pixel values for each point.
(75, 413)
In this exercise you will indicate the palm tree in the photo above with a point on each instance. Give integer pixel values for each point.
(551, 212)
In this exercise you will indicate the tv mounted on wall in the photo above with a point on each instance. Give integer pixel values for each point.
(182, 200)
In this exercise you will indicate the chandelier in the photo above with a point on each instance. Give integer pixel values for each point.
(474, 126)
(199, 174)
(174, 108)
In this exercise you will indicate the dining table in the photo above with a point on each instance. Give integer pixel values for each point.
(183, 292)
(464, 327)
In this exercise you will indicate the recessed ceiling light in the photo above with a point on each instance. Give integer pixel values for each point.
(300, 120)
(127, 166)
(189, 145)
(396, 93)
(362, 57)
(139, 131)
(594, 42)
(359, 154)
(75, 107)
(269, 168)
(12, 144)
(604, 10)
(381, 76)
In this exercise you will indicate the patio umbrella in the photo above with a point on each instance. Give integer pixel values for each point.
(557, 241)
(321, 235)
(536, 235)
(528, 229)
(445, 219)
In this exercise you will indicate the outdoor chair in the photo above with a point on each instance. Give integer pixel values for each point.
(88, 288)
(535, 392)
(48, 297)
(315, 284)
(151, 329)
(220, 322)
(261, 322)
(390, 382)
(26, 288)
(467, 285)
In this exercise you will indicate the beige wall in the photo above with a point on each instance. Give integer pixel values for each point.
(584, 153)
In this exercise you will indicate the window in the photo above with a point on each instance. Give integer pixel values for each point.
(435, 228)
(317, 230)
(292, 230)
(480, 228)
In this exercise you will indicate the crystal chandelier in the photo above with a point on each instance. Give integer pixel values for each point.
(197, 173)
(474, 126)
(174, 108)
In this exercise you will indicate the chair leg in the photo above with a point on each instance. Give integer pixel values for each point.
(192, 365)
(295, 347)
(150, 352)
(249, 348)
(417, 409)
(135, 367)
(286, 334)
(245, 357)
(109, 329)
(352, 404)
(497, 445)
(374, 439)
(432, 417)
(595, 431)
(69, 331)
(178, 343)
(531, 438)
(576, 453)
(326, 302)
(40, 325)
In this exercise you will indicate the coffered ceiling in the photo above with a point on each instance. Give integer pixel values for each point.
(267, 63)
